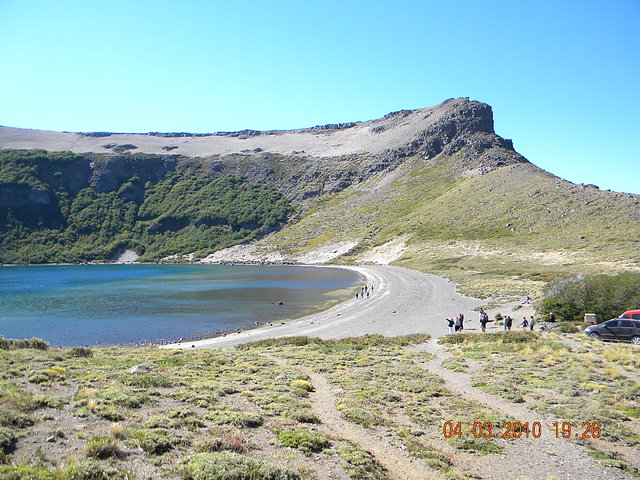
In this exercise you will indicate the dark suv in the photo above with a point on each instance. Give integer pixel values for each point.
(616, 330)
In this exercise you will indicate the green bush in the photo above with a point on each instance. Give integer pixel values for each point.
(102, 447)
(607, 296)
(11, 418)
(8, 440)
(236, 417)
(302, 440)
(302, 415)
(123, 397)
(24, 472)
(81, 352)
(232, 466)
(498, 337)
(157, 441)
(11, 344)
(361, 464)
(223, 441)
(44, 400)
(302, 385)
(91, 470)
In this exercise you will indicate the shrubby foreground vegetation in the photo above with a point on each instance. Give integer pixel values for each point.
(252, 413)
(188, 210)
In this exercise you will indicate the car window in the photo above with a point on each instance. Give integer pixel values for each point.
(611, 323)
(627, 323)
(624, 316)
(636, 316)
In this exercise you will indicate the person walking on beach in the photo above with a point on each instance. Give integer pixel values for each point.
(532, 322)
(509, 321)
(484, 319)
(451, 323)
(461, 319)
(525, 323)
(458, 324)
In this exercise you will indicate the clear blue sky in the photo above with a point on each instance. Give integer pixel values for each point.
(563, 78)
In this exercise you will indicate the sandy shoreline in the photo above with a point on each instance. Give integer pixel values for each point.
(403, 302)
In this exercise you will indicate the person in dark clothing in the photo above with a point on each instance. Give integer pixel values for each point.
(458, 324)
(450, 323)
(484, 319)
(509, 321)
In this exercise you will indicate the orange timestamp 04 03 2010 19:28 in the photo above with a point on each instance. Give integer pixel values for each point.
(521, 430)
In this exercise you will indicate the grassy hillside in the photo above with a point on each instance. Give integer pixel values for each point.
(515, 222)
(48, 213)
(299, 408)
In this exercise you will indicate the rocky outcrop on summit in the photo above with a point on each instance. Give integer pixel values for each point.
(459, 127)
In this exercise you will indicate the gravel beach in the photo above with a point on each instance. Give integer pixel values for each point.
(403, 301)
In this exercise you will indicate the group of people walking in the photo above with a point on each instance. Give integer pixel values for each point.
(456, 324)
(364, 292)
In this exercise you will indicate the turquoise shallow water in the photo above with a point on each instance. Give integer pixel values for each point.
(118, 304)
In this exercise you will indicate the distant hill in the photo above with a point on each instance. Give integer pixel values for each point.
(434, 189)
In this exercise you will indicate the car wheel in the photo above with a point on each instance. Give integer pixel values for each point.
(594, 335)
(636, 340)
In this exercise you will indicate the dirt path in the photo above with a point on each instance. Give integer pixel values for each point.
(524, 458)
(399, 464)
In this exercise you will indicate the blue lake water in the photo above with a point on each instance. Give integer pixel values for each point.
(118, 304)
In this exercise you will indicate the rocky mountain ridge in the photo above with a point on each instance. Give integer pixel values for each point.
(292, 160)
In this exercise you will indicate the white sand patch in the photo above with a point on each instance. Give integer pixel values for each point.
(244, 254)
(326, 253)
(126, 256)
(387, 253)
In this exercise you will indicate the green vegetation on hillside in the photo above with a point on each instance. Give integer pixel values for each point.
(507, 231)
(48, 215)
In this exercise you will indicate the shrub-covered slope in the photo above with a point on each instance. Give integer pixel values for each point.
(53, 208)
